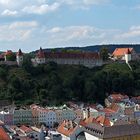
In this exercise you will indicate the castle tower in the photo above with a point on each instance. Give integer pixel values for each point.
(40, 57)
(19, 57)
(128, 56)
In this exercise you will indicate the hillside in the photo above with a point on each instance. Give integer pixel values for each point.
(55, 84)
(96, 48)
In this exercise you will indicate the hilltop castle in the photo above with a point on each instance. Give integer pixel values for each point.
(10, 58)
(88, 59)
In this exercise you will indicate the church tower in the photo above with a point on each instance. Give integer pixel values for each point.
(19, 57)
(128, 56)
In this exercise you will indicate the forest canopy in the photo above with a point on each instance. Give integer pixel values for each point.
(55, 84)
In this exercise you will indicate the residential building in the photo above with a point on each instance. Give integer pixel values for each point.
(69, 130)
(22, 116)
(43, 115)
(6, 117)
(126, 54)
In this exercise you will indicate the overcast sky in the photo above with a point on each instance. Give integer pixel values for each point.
(29, 24)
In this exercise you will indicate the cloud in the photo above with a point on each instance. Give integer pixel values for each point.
(83, 4)
(133, 32)
(9, 13)
(94, 2)
(17, 31)
(45, 8)
(4, 2)
(77, 35)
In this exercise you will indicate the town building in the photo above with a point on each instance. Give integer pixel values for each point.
(126, 54)
(88, 59)
(43, 116)
(69, 130)
(22, 116)
(10, 58)
(6, 117)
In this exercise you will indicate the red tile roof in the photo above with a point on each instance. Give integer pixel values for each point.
(40, 54)
(73, 55)
(67, 131)
(3, 135)
(103, 121)
(122, 51)
(117, 97)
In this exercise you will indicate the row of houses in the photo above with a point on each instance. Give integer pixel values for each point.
(118, 106)
(119, 120)
(93, 120)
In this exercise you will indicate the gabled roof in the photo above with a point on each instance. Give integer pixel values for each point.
(67, 128)
(122, 51)
(103, 121)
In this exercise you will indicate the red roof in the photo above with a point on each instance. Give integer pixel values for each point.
(67, 131)
(9, 52)
(122, 51)
(3, 135)
(19, 53)
(41, 53)
(103, 121)
(26, 129)
(73, 55)
(117, 97)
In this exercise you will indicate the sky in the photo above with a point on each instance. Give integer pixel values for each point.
(29, 24)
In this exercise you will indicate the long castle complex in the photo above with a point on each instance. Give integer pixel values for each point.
(88, 59)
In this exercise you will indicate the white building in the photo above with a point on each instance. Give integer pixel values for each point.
(19, 57)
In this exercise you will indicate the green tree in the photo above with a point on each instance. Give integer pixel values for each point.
(104, 53)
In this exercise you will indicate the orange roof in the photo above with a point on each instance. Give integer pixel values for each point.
(90, 120)
(65, 130)
(103, 121)
(122, 51)
(3, 135)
